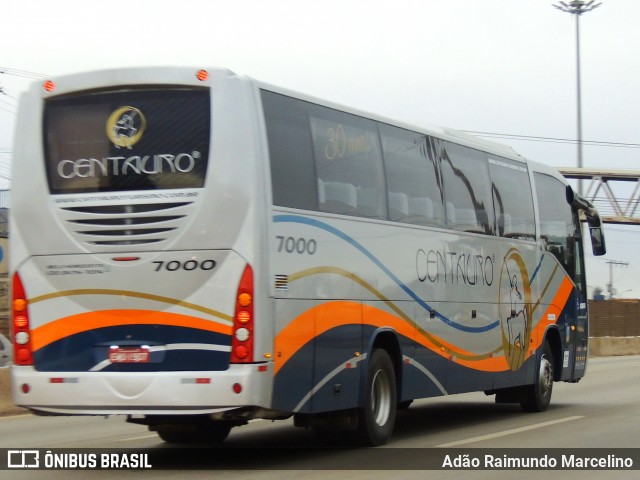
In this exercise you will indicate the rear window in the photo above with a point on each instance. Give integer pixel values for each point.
(127, 140)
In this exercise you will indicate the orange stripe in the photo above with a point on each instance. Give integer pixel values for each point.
(83, 322)
(556, 307)
(489, 364)
(306, 327)
(322, 318)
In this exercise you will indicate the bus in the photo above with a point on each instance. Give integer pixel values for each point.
(195, 249)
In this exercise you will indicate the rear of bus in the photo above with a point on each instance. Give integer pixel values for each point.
(137, 203)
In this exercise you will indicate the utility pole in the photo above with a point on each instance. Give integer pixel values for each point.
(577, 8)
(611, 264)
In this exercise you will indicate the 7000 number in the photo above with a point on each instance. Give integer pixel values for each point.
(296, 245)
(189, 265)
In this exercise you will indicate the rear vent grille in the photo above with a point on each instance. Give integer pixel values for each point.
(139, 231)
(125, 221)
(126, 225)
(126, 209)
(282, 283)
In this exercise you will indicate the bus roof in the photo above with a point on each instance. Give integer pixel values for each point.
(164, 75)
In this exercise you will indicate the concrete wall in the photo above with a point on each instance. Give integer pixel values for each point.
(613, 346)
(614, 318)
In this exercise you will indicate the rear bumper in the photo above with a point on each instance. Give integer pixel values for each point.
(166, 393)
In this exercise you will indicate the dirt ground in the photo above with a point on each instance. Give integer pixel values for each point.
(6, 404)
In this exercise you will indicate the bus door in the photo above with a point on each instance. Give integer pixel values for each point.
(575, 327)
(578, 327)
(599, 248)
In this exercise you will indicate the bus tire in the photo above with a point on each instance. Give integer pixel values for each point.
(536, 397)
(377, 416)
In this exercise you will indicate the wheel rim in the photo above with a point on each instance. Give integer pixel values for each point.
(545, 377)
(381, 398)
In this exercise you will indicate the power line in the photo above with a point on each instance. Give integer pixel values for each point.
(6, 109)
(22, 73)
(9, 100)
(532, 138)
(9, 97)
(5, 104)
(37, 76)
(6, 94)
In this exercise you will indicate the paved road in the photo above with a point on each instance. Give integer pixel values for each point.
(601, 411)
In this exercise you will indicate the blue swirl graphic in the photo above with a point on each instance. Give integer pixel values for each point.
(340, 234)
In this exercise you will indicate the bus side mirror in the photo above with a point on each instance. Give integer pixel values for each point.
(592, 217)
(597, 241)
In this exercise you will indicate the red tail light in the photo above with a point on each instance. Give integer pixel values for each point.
(243, 321)
(21, 331)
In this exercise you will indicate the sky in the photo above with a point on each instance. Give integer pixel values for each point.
(497, 66)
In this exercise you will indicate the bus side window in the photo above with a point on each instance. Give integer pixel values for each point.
(467, 186)
(512, 199)
(348, 162)
(293, 177)
(413, 180)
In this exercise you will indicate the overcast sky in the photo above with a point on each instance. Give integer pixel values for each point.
(502, 66)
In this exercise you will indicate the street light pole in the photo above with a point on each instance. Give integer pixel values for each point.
(611, 264)
(577, 8)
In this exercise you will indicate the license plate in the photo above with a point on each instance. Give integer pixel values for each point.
(129, 355)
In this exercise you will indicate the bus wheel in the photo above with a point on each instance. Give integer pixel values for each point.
(190, 434)
(538, 396)
(378, 414)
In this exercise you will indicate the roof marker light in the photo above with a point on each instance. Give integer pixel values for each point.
(202, 75)
(49, 86)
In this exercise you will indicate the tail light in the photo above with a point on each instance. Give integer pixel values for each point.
(243, 321)
(22, 353)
